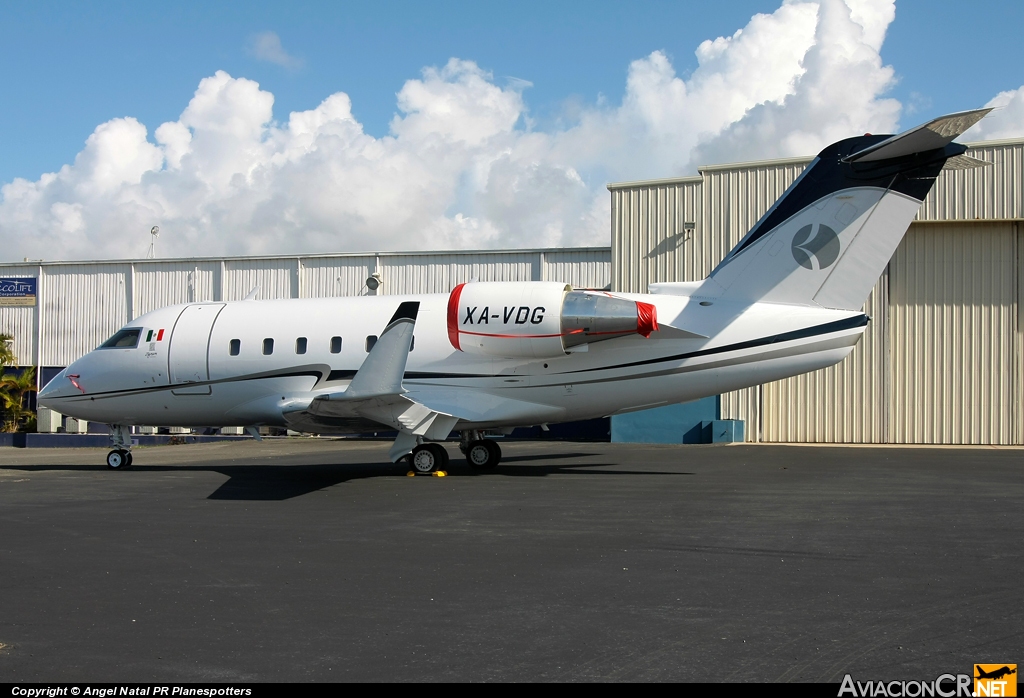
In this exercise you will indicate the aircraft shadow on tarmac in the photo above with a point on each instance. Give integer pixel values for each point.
(280, 482)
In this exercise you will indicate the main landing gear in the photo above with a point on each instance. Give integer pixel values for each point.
(121, 439)
(432, 458)
(481, 453)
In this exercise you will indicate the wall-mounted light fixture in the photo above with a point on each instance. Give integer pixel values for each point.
(373, 282)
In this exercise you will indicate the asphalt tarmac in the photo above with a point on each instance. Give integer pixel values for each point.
(314, 560)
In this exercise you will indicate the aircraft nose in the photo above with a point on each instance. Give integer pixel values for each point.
(51, 389)
(59, 386)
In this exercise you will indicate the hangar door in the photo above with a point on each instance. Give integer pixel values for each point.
(954, 369)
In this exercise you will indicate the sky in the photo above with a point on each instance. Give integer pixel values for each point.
(270, 128)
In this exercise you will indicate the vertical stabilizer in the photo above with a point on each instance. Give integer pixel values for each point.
(828, 238)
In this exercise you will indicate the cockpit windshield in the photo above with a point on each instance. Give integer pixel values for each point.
(127, 338)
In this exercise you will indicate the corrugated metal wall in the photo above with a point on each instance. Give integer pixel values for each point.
(990, 193)
(953, 309)
(885, 390)
(650, 242)
(158, 284)
(324, 277)
(83, 304)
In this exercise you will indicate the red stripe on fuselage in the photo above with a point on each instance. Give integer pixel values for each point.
(453, 316)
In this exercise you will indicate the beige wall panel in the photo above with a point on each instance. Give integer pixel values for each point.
(277, 278)
(648, 237)
(845, 403)
(995, 192)
(83, 305)
(159, 284)
(328, 277)
(953, 296)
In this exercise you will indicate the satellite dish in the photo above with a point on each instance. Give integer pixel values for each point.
(373, 282)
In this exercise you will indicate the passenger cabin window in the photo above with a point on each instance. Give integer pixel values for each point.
(370, 341)
(125, 339)
(234, 346)
(335, 345)
(268, 346)
(300, 345)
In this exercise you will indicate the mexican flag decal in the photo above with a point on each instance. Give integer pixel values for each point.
(159, 336)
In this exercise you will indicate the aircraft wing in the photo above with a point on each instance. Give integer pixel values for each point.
(430, 413)
(376, 396)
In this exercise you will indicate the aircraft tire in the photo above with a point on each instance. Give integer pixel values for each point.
(483, 454)
(116, 459)
(128, 458)
(428, 458)
(442, 456)
(495, 450)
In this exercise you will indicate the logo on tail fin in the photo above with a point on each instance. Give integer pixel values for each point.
(823, 247)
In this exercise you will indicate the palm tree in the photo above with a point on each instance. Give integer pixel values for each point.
(13, 389)
(6, 350)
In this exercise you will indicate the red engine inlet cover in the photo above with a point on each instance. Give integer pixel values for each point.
(646, 318)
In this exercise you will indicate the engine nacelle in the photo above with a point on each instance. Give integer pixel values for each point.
(539, 319)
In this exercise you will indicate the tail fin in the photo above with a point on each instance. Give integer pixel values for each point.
(827, 239)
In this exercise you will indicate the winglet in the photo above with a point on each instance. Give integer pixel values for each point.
(384, 368)
(937, 133)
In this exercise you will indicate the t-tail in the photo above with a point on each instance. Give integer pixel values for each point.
(827, 240)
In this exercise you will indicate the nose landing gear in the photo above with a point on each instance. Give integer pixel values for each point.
(118, 459)
(121, 439)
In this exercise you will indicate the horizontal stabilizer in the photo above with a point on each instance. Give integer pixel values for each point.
(964, 162)
(937, 133)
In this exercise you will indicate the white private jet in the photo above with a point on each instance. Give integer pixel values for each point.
(489, 357)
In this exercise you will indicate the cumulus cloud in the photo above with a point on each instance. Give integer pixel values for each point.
(462, 165)
(266, 46)
(1005, 121)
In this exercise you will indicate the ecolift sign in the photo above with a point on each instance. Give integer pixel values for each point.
(17, 291)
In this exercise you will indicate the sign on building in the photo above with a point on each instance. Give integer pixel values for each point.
(17, 291)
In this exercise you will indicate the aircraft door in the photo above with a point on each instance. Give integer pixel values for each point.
(188, 357)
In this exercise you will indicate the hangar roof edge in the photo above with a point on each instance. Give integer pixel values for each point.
(613, 186)
(312, 255)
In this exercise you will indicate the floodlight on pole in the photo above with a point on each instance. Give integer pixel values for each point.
(155, 233)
